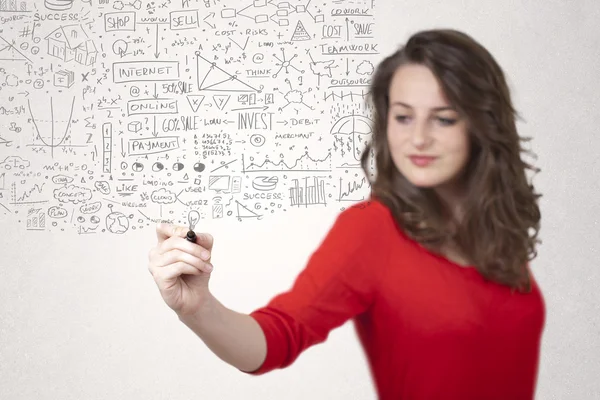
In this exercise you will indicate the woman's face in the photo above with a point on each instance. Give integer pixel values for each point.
(427, 138)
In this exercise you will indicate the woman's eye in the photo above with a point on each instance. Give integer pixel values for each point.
(447, 121)
(444, 121)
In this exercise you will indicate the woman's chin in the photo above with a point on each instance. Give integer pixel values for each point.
(424, 183)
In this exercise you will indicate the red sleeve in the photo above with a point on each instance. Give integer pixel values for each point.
(337, 284)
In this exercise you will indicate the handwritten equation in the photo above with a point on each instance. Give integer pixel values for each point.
(117, 114)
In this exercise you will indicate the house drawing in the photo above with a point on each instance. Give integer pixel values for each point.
(71, 42)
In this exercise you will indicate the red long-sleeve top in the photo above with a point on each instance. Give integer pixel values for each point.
(431, 329)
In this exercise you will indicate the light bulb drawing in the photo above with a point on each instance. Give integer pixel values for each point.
(193, 218)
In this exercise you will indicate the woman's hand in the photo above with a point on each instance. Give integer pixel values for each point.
(181, 269)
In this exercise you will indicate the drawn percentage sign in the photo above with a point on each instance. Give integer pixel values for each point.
(233, 24)
(145, 196)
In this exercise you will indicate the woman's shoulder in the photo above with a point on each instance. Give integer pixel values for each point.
(367, 212)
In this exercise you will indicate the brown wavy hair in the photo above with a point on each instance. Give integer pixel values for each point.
(498, 231)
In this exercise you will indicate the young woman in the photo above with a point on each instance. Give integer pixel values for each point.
(433, 269)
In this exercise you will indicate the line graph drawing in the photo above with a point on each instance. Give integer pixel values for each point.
(212, 77)
(352, 190)
(19, 199)
(61, 138)
(303, 163)
(85, 231)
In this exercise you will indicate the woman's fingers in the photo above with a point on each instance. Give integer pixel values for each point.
(205, 240)
(176, 255)
(165, 231)
(175, 242)
(174, 270)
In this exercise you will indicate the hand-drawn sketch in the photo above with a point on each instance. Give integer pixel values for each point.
(12, 6)
(58, 5)
(120, 114)
(71, 42)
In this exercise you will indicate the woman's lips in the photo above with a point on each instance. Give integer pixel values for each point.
(422, 161)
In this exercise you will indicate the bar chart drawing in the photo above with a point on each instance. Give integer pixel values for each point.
(308, 195)
(13, 6)
(36, 219)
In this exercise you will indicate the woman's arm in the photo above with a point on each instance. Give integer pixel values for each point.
(235, 338)
(339, 282)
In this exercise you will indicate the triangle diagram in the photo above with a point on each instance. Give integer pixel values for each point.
(245, 212)
(221, 100)
(300, 33)
(194, 101)
(213, 78)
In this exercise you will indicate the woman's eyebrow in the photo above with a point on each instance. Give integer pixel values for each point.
(440, 108)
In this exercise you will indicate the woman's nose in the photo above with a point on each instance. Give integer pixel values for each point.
(420, 135)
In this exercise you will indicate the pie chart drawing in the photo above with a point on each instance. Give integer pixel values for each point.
(357, 129)
(58, 5)
(119, 47)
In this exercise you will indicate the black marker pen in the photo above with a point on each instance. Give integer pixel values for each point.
(191, 236)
